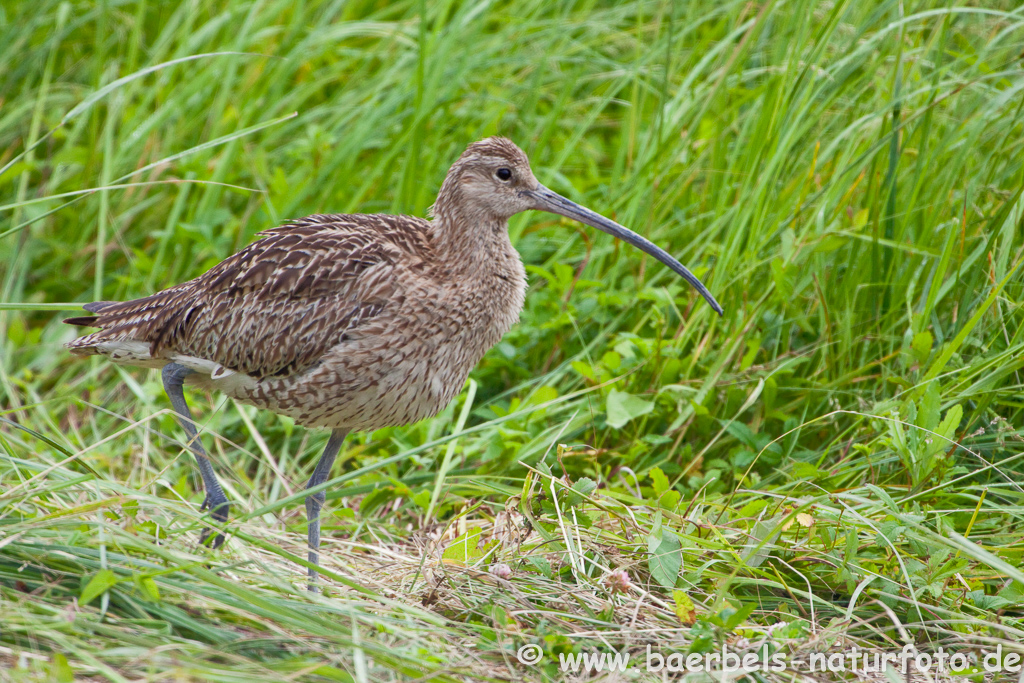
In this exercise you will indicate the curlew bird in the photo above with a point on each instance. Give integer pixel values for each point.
(350, 322)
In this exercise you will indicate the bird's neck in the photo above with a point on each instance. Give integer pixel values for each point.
(481, 265)
(484, 275)
(471, 240)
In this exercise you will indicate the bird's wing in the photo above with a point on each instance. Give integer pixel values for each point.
(275, 307)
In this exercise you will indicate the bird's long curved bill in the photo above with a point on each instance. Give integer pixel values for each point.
(546, 200)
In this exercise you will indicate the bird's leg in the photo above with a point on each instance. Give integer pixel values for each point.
(174, 379)
(314, 502)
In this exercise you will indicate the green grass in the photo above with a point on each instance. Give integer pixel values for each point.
(837, 459)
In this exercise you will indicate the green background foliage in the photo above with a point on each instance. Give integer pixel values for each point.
(839, 456)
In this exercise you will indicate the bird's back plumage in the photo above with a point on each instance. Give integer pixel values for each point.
(273, 308)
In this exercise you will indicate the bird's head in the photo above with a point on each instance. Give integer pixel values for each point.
(492, 181)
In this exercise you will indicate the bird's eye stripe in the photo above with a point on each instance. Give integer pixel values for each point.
(503, 174)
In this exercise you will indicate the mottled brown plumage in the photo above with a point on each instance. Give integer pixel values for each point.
(352, 322)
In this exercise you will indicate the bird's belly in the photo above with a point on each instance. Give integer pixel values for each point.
(364, 387)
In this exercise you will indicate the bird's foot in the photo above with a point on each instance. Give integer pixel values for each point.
(204, 538)
(219, 511)
(314, 576)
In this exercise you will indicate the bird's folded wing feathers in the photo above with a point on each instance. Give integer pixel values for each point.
(275, 307)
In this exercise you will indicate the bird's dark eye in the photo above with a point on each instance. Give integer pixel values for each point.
(504, 174)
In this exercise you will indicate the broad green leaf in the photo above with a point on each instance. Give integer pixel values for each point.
(752, 508)
(951, 422)
(922, 345)
(98, 585)
(888, 532)
(583, 487)
(806, 470)
(1013, 593)
(623, 407)
(374, 499)
(466, 548)
(670, 499)
(852, 546)
(660, 481)
(884, 497)
(753, 346)
(946, 430)
(684, 608)
(540, 564)
(543, 395)
(60, 669)
(762, 536)
(783, 278)
(931, 403)
(987, 602)
(422, 499)
(332, 673)
(830, 243)
(147, 586)
(740, 615)
(584, 369)
(666, 558)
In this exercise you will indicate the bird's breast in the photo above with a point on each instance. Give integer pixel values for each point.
(469, 316)
(409, 362)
